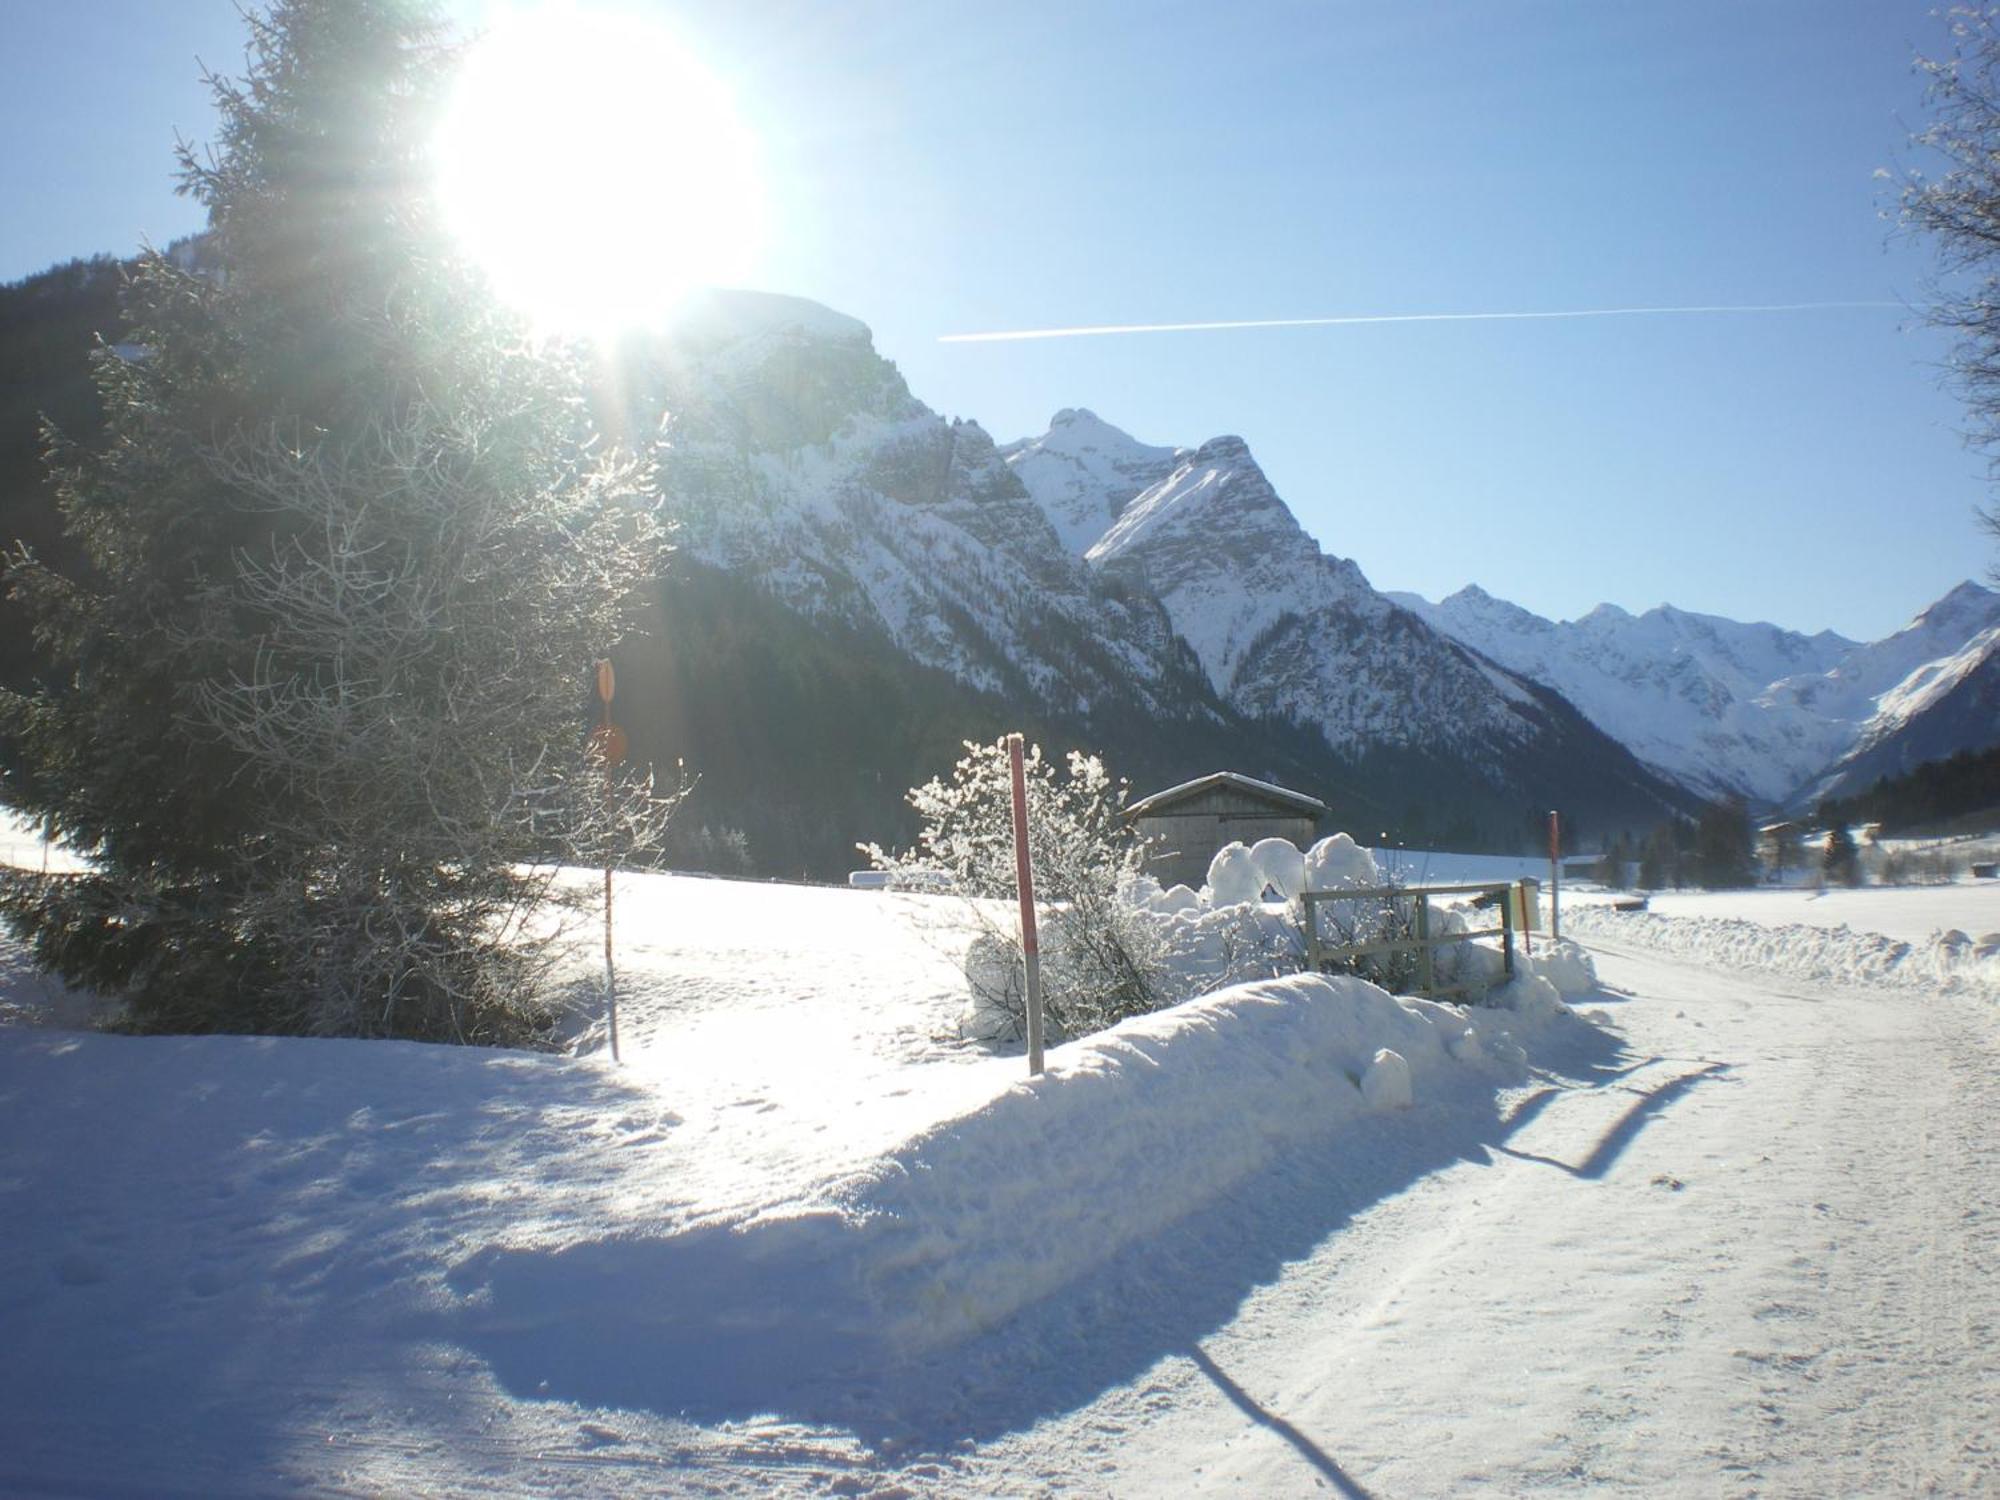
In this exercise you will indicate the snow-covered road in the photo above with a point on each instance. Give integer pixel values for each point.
(1755, 1255)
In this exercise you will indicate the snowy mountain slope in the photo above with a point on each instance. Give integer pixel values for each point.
(1719, 705)
(1854, 689)
(800, 461)
(801, 464)
(1281, 628)
(1287, 633)
(1942, 707)
(1082, 471)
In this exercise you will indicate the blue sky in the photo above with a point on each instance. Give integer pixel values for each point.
(944, 168)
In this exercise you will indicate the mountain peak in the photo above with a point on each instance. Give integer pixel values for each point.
(727, 314)
(1967, 598)
(1083, 471)
(1224, 449)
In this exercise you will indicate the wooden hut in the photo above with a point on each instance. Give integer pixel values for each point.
(1184, 825)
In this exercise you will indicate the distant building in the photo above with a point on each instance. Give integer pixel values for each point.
(1185, 825)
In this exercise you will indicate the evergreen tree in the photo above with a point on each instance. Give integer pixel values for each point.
(1842, 861)
(1724, 849)
(350, 559)
(1666, 858)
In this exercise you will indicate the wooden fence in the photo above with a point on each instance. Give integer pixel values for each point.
(1423, 942)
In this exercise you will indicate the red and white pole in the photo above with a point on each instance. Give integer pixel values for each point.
(1555, 877)
(609, 755)
(1025, 878)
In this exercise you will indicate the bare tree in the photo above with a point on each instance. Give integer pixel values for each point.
(1958, 205)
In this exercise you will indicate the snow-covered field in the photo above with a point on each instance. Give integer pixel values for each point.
(1722, 1233)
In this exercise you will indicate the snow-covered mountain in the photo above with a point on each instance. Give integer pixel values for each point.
(1082, 471)
(1940, 708)
(1726, 707)
(800, 462)
(1283, 630)
(1087, 578)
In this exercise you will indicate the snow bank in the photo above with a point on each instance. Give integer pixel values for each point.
(1133, 1129)
(985, 1213)
(1950, 961)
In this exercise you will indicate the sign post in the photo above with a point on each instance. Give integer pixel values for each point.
(1025, 878)
(1555, 877)
(608, 748)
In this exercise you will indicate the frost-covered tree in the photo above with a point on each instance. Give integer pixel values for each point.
(352, 553)
(1100, 957)
(1957, 203)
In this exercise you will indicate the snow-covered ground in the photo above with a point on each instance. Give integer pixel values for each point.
(1911, 913)
(1725, 1233)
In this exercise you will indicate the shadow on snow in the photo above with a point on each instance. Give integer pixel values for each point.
(785, 1316)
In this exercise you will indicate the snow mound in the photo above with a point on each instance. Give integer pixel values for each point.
(1529, 996)
(1233, 877)
(1825, 955)
(1569, 968)
(1279, 866)
(995, 1209)
(1339, 861)
(1386, 1084)
(985, 1213)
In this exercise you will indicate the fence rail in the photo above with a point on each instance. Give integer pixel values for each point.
(1320, 954)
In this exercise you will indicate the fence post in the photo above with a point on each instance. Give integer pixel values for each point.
(1507, 936)
(1426, 974)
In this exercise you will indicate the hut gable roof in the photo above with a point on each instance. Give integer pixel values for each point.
(1278, 797)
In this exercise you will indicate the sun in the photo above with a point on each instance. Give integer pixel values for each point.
(596, 170)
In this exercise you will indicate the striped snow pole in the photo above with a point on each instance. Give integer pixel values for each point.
(1024, 877)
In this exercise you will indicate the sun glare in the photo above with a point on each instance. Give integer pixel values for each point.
(596, 170)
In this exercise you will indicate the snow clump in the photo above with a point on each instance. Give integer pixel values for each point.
(1280, 866)
(1232, 877)
(1338, 861)
(1566, 966)
(1386, 1084)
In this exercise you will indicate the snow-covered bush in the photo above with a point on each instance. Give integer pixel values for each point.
(1100, 944)
(1338, 863)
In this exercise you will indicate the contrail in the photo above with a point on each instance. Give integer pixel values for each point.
(1101, 330)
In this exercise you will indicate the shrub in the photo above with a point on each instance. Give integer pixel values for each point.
(1101, 960)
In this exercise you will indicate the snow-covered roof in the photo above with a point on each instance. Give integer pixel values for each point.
(1284, 795)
